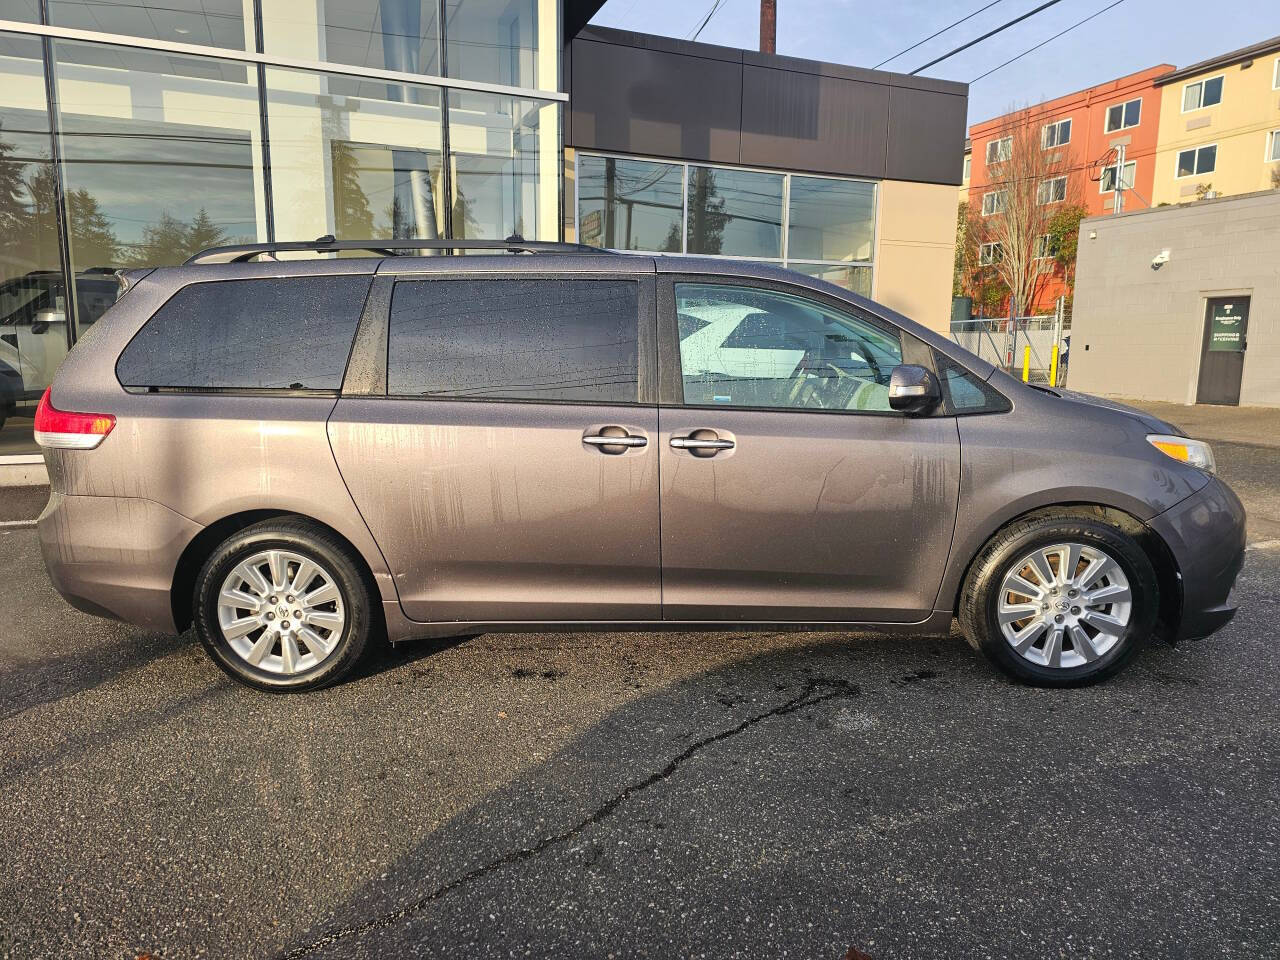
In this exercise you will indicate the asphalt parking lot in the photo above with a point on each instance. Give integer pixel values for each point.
(714, 795)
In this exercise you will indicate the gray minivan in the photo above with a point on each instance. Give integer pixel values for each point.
(298, 456)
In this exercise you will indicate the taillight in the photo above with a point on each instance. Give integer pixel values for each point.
(70, 431)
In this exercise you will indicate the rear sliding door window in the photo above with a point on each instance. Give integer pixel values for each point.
(264, 334)
(566, 340)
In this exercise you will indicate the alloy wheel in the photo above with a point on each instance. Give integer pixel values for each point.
(1064, 605)
(281, 612)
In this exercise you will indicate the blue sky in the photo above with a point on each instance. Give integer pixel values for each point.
(1134, 35)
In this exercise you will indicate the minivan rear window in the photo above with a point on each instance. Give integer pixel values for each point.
(273, 333)
(515, 339)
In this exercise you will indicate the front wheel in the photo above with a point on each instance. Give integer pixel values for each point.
(281, 605)
(1060, 601)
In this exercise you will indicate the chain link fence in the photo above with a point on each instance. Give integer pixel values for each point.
(1022, 346)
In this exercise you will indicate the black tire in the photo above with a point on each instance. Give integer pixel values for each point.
(313, 543)
(979, 600)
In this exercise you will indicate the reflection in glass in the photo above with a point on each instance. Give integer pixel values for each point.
(512, 42)
(218, 23)
(734, 213)
(401, 35)
(33, 314)
(28, 11)
(857, 279)
(356, 158)
(630, 204)
(506, 167)
(161, 156)
(831, 219)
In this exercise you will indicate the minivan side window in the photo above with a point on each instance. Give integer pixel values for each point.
(271, 333)
(751, 347)
(515, 339)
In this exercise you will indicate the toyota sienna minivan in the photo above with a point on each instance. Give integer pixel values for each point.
(299, 456)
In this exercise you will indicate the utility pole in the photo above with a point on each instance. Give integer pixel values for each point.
(768, 26)
(1118, 206)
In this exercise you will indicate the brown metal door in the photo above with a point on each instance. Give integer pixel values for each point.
(790, 491)
(1226, 325)
(510, 473)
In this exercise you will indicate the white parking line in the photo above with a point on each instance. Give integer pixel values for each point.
(17, 523)
(1263, 545)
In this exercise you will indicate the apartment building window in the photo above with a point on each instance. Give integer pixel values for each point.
(1275, 75)
(968, 164)
(993, 203)
(1198, 160)
(1055, 134)
(1108, 182)
(1202, 93)
(1273, 146)
(1122, 116)
(999, 151)
(990, 253)
(1052, 191)
(1046, 247)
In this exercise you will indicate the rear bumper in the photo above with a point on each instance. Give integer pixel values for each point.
(1206, 535)
(115, 556)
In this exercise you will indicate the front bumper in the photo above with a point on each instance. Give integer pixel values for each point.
(1206, 535)
(115, 556)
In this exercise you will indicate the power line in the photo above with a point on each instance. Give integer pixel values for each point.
(938, 34)
(1051, 39)
(988, 34)
(707, 19)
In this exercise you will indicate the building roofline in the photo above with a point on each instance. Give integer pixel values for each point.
(1260, 49)
(1118, 81)
(1167, 208)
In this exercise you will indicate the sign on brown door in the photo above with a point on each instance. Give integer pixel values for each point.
(1226, 324)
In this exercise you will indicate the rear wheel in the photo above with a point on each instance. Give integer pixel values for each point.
(281, 605)
(1060, 601)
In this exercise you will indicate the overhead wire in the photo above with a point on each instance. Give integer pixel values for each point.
(1050, 40)
(933, 35)
(986, 36)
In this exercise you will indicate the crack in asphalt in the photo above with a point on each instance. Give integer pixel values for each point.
(808, 697)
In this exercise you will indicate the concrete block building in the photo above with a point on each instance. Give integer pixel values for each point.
(1181, 303)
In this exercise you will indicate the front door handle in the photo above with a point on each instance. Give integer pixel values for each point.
(693, 443)
(598, 440)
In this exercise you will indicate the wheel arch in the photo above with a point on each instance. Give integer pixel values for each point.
(202, 545)
(1168, 576)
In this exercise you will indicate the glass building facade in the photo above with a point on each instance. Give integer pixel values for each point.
(822, 226)
(137, 133)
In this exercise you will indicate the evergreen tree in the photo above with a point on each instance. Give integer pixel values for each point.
(351, 206)
(204, 233)
(93, 240)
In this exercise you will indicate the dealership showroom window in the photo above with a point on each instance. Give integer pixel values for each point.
(137, 133)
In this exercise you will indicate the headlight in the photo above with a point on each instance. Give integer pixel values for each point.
(1196, 453)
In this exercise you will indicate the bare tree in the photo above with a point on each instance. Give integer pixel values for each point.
(1030, 181)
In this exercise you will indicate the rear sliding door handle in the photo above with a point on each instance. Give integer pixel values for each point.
(692, 443)
(596, 440)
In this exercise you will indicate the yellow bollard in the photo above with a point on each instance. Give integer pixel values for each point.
(1053, 366)
(1026, 363)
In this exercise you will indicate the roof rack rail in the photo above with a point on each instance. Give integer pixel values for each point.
(244, 252)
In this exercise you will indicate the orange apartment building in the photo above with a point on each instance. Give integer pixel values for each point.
(1087, 125)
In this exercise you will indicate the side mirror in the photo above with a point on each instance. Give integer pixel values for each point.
(913, 389)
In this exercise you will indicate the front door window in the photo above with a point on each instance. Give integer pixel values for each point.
(750, 347)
